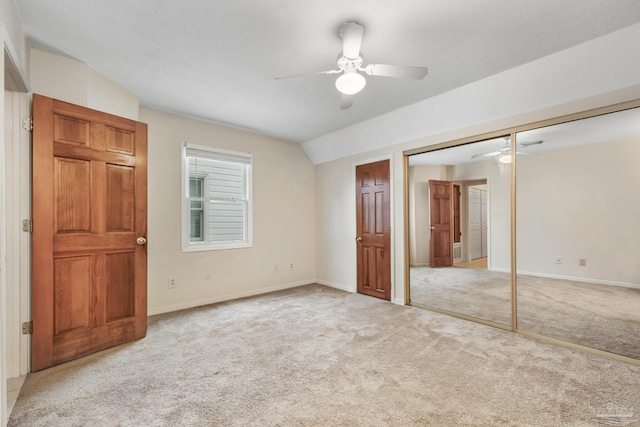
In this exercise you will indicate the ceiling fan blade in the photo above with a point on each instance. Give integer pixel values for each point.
(526, 144)
(346, 101)
(309, 74)
(351, 34)
(480, 156)
(400, 71)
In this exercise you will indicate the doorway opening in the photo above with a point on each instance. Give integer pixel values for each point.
(472, 247)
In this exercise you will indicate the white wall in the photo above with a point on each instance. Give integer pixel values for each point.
(284, 212)
(72, 81)
(14, 39)
(581, 202)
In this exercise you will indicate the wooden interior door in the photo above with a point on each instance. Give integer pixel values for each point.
(441, 218)
(373, 228)
(89, 280)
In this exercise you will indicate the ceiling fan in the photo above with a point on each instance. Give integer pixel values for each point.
(504, 154)
(350, 62)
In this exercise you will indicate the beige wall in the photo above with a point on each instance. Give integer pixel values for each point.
(419, 214)
(283, 218)
(75, 82)
(581, 202)
(498, 178)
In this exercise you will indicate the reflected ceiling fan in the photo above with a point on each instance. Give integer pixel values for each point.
(350, 62)
(504, 154)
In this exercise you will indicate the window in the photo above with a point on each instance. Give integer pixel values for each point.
(216, 199)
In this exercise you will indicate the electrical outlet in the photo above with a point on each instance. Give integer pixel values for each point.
(291, 266)
(172, 283)
(582, 262)
(276, 268)
(558, 260)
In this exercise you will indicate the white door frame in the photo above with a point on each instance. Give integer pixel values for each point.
(17, 177)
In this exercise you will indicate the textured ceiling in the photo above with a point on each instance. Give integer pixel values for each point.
(217, 60)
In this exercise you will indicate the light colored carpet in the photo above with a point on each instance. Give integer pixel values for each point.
(478, 293)
(599, 316)
(316, 356)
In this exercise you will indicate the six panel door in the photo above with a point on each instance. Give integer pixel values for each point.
(89, 289)
(373, 228)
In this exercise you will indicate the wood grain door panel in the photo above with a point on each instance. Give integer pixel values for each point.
(373, 227)
(441, 219)
(90, 205)
(120, 198)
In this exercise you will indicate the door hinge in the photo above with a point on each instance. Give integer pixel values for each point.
(27, 225)
(27, 124)
(27, 328)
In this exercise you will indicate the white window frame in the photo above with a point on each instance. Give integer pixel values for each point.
(187, 244)
(203, 200)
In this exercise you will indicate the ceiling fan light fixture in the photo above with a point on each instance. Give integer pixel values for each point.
(350, 83)
(505, 158)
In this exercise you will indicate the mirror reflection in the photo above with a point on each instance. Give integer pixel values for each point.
(459, 222)
(577, 231)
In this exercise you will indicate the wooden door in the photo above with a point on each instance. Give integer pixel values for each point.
(441, 216)
(89, 289)
(373, 228)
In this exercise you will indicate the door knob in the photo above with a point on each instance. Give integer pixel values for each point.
(358, 239)
(432, 228)
(141, 241)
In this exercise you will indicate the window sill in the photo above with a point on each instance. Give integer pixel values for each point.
(194, 247)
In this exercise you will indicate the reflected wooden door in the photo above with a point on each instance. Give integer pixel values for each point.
(441, 218)
(373, 228)
(89, 289)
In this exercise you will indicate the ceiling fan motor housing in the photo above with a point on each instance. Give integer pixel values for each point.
(349, 64)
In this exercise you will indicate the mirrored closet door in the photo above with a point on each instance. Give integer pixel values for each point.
(575, 230)
(578, 232)
(459, 222)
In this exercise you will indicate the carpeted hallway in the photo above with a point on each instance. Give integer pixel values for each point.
(316, 356)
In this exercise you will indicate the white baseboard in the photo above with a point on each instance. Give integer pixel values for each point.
(580, 279)
(398, 301)
(570, 278)
(336, 286)
(227, 297)
(420, 264)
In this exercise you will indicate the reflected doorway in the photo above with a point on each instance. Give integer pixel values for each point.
(477, 282)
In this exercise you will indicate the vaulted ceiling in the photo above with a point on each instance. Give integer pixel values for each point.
(218, 60)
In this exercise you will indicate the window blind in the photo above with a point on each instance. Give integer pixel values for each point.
(223, 177)
(219, 155)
